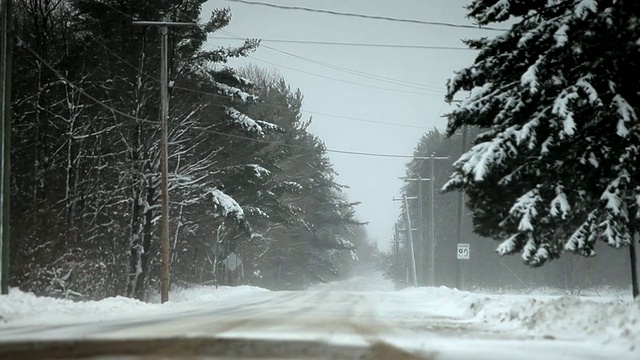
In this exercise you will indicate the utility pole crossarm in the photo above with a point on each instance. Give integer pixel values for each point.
(432, 157)
(408, 198)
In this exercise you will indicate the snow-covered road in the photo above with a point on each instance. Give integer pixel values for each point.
(360, 318)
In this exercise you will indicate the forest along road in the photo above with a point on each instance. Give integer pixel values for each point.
(355, 319)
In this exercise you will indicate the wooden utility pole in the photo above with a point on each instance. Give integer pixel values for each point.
(432, 217)
(6, 53)
(459, 269)
(163, 24)
(411, 247)
(412, 253)
(396, 245)
(431, 247)
(421, 251)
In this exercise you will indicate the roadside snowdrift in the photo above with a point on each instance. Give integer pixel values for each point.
(24, 306)
(611, 319)
(608, 319)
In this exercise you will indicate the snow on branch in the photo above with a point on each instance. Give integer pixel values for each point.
(592, 94)
(227, 205)
(583, 239)
(477, 160)
(611, 196)
(342, 243)
(292, 186)
(560, 204)
(530, 79)
(525, 208)
(500, 9)
(627, 114)
(616, 229)
(615, 232)
(243, 81)
(561, 109)
(249, 124)
(510, 245)
(584, 7)
(530, 249)
(256, 212)
(561, 35)
(234, 92)
(259, 171)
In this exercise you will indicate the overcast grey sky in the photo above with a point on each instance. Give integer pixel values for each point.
(372, 180)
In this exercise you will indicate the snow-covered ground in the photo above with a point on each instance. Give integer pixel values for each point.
(437, 323)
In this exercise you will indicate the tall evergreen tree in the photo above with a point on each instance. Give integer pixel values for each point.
(557, 169)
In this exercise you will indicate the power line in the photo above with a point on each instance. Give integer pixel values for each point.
(122, 60)
(79, 89)
(439, 114)
(348, 152)
(352, 71)
(363, 74)
(365, 120)
(364, 16)
(342, 80)
(114, 110)
(373, 76)
(312, 42)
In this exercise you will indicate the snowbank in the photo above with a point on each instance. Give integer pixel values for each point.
(607, 320)
(19, 305)
(611, 319)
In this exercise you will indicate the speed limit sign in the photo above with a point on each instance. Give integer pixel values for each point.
(463, 251)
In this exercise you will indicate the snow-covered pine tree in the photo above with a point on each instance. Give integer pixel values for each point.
(557, 168)
(299, 213)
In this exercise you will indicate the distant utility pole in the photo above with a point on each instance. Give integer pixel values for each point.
(6, 54)
(412, 253)
(459, 269)
(396, 245)
(421, 243)
(163, 24)
(432, 222)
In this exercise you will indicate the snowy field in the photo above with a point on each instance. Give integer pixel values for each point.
(427, 323)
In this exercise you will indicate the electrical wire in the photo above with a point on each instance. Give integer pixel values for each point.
(342, 80)
(76, 87)
(327, 65)
(364, 16)
(112, 109)
(352, 71)
(313, 42)
(122, 60)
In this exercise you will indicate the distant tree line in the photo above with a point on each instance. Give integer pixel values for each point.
(484, 269)
(555, 169)
(245, 175)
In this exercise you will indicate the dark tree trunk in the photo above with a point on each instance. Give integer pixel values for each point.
(135, 248)
(146, 242)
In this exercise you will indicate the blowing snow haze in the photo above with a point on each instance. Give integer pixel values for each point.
(384, 98)
(357, 179)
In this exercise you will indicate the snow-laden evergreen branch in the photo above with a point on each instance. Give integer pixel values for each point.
(248, 124)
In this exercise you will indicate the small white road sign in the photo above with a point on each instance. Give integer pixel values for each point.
(463, 251)
(232, 261)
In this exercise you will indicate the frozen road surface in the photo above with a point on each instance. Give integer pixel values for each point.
(357, 319)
